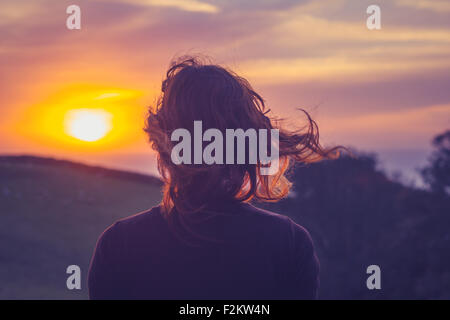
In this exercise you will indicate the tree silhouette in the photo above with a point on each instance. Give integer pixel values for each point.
(437, 173)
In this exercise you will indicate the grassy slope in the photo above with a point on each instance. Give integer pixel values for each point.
(52, 213)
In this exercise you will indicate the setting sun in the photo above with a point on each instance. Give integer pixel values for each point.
(87, 124)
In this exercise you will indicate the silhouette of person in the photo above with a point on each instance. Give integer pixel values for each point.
(205, 240)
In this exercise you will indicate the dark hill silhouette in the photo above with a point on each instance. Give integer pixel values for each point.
(96, 170)
(53, 211)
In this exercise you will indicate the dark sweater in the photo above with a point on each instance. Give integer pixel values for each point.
(251, 254)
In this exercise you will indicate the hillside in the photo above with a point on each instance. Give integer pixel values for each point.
(52, 212)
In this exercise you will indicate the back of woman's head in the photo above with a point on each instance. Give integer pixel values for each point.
(196, 91)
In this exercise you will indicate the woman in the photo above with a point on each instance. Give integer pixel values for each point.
(205, 241)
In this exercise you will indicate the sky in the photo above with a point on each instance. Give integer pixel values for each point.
(385, 91)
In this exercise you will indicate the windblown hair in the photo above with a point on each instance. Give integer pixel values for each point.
(194, 90)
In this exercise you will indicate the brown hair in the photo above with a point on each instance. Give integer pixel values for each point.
(194, 90)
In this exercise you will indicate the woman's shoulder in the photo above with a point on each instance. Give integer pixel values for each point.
(271, 217)
(135, 224)
(278, 222)
(148, 216)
